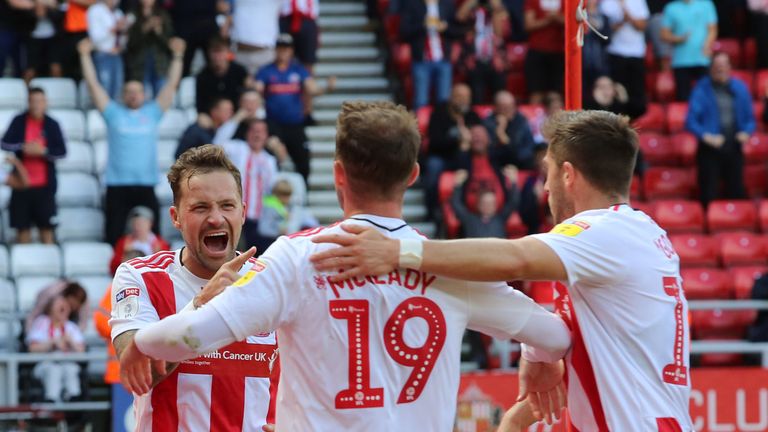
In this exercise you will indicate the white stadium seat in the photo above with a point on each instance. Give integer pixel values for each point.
(84, 101)
(186, 94)
(5, 263)
(166, 150)
(94, 286)
(86, 259)
(80, 224)
(164, 193)
(5, 196)
(79, 158)
(172, 125)
(100, 154)
(27, 288)
(71, 122)
(6, 116)
(97, 128)
(167, 230)
(13, 93)
(8, 294)
(60, 92)
(35, 260)
(78, 190)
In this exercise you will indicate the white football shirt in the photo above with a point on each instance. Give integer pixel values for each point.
(628, 368)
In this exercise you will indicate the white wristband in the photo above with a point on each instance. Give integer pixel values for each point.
(411, 253)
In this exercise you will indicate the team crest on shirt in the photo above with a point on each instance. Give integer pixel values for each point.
(127, 303)
(571, 229)
(294, 77)
(258, 267)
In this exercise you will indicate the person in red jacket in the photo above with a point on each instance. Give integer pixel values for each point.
(139, 236)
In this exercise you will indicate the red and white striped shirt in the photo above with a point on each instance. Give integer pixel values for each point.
(306, 8)
(258, 172)
(230, 389)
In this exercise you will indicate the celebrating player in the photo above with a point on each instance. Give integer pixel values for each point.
(374, 353)
(228, 389)
(628, 368)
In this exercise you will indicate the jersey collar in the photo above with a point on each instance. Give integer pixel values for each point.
(385, 223)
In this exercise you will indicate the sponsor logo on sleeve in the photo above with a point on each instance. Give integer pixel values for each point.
(258, 267)
(570, 229)
(127, 303)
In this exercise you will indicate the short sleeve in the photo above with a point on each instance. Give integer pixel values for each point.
(587, 251)
(497, 309)
(711, 13)
(38, 331)
(111, 111)
(132, 308)
(269, 295)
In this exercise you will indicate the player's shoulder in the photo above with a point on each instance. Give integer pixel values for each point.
(308, 234)
(159, 261)
(612, 221)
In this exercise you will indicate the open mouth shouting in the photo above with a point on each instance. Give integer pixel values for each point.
(215, 243)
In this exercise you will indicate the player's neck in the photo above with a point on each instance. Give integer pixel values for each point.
(390, 209)
(598, 201)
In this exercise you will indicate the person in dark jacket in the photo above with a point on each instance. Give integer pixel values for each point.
(484, 164)
(507, 127)
(489, 220)
(38, 142)
(203, 130)
(147, 55)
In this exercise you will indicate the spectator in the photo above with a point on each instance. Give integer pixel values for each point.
(195, 22)
(447, 132)
(662, 50)
(204, 128)
(53, 332)
(17, 19)
(594, 55)
(607, 96)
(299, 19)
(106, 27)
(138, 236)
(484, 56)
(510, 129)
(286, 84)
(691, 27)
(251, 106)
(147, 52)
(484, 165)
(534, 209)
(258, 169)
(13, 173)
(220, 78)
(626, 49)
(490, 220)
(75, 29)
(759, 9)
(516, 10)
(42, 46)
(720, 115)
(553, 103)
(545, 61)
(131, 172)
(254, 32)
(38, 142)
(72, 292)
(280, 217)
(424, 25)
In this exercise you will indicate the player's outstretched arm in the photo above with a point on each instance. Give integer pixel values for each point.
(517, 418)
(368, 252)
(139, 373)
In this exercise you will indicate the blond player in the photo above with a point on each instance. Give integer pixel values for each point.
(628, 367)
(372, 354)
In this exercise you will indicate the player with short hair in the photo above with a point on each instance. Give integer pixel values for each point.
(228, 389)
(628, 367)
(375, 353)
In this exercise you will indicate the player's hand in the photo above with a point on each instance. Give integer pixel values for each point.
(542, 384)
(367, 252)
(517, 418)
(136, 369)
(226, 276)
(268, 428)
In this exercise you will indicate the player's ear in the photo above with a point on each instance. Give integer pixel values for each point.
(414, 175)
(175, 217)
(339, 175)
(569, 173)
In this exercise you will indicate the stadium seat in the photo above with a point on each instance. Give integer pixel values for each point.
(706, 283)
(516, 53)
(635, 188)
(653, 120)
(762, 215)
(531, 112)
(8, 294)
(97, 129)
(6, 116)
(299, 196)
(657, 149)
(167, 230)
(761, 85)
(13, 93)
(80, 224)
(445, 186)
(647, 207)
(742, 248)
(78, 190)
(452, 224)
(747, 78)
(84, 101)
(676, 113)
(661, 183)
(750, 53)
(27, 288)
(516, 85)
(5, 263)
(60, 92)
(731, 215)
(422, 118)
(483, 111)
(685, 145)
(732, 47)
(756, 180)
(721, 360)
(664, 86)
(758, 109)
(79, 158)
(166, 154)
(86, 259)
(392, 27)
(163, 193)
(186, 95)
(542, 292)
(695, 250)
(100, 153)
(515, 227)
(94, 286)
(172, 125)
(678, 216)
(743, 279)
(721, 324)
(756, 149)
(401, 55)
(35, 260)
(72, 123)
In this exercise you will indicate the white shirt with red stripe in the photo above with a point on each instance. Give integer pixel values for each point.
(257, 173)
(628, 368)
(229, 389)
(306, 8)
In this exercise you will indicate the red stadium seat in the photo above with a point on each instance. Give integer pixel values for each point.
(731, 215)
(652, 121)
(721, 324)
(636, 188)
(676, 113)
(756, 180)
(750, 53)
(761, 85)
(756, 149)
(483, 111)
(720, 359)
(445, 186)
(743, 279)
(706, 283)
(657, 149)
(542, 292)
(661, 183)
(685, 145)
(516, 53)
(516, 85)
(747, 77)
(696, 250)
(515, 226)
(452, 224)
(422, 118)
(742, 248)
(531, 112)
(758, 107)
(650, 59)
(680, 216)
(401, 55)
(762, 214)
(664, 86)
(732, 47)
(392, 27)
(646, 207)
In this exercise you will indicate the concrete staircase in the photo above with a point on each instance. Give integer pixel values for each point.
(348, 51)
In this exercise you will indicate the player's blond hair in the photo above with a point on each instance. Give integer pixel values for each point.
(378, 145)
(200, 160)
